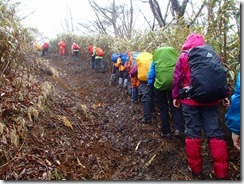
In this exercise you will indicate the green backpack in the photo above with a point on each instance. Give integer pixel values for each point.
(165, 59)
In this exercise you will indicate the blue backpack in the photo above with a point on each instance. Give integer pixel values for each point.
(124, 57)
(114, 57)
(208, 75)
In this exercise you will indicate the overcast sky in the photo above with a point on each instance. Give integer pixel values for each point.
(49, 15)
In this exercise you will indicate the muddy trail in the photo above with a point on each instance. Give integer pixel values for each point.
(92, 131)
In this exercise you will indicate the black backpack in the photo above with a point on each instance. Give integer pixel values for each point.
(208, 75)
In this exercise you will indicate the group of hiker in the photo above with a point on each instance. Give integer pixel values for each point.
(95, 52)
(188, 87)
(191, 86)
(44, 48)
(74, 49)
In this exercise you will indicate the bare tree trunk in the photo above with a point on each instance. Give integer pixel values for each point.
(117, 17)
(114, 19)
(157, 12)
(177, 9)
(131, 20)
(71, 21)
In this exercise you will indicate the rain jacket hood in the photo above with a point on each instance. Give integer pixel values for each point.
(193, 40)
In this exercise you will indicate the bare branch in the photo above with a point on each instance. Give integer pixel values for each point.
(28, 15)
(198, 13)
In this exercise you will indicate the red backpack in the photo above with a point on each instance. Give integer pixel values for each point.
(75, 46)
(99, 51)
(46, 45)
(90, 49)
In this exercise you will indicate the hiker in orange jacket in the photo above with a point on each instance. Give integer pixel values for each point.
(141, 69)
(123, 77)
(98, 54)
(62, 46)
(127, 81)
(134, 82)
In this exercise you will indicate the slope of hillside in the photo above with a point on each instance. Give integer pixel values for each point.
(92, 131)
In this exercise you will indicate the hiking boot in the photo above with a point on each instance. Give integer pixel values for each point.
(134, 101)
(167, 136)
(197, 176)
(179, 134)
(144, 121)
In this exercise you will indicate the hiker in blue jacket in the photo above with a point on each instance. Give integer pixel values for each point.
(233, 115)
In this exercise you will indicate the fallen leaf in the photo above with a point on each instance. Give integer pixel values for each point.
(66, 122)
(138, 144)
(150, 161)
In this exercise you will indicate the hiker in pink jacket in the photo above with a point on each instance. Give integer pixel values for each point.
(199, 116)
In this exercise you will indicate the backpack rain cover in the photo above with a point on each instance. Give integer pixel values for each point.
(208, 75)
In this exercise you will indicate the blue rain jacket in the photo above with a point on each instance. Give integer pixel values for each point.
(233, 114)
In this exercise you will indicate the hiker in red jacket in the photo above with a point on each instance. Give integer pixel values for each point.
(199, 116)
(62, 46)
(91, 53)
(75, 50)
(45, 48)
